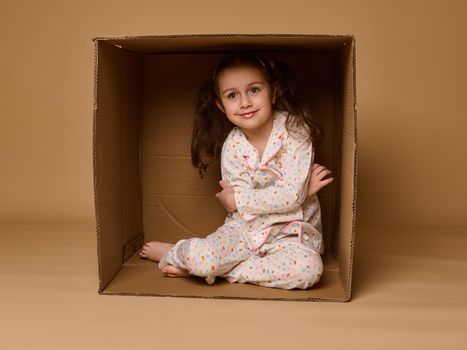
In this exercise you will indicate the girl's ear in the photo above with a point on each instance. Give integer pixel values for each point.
(220, 106)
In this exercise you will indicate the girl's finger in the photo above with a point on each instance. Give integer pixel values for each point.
(323, 174)
(327, 181)
(318, 170)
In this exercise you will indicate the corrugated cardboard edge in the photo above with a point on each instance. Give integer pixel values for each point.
(218, 35)
(221, 297)
(94, 146)
(94, 161)
(354, 201)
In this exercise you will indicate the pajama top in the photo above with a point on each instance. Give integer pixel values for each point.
(270, 191)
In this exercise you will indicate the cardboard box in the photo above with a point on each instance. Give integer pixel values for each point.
(145, 186)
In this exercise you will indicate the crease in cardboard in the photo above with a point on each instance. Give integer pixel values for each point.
(177, 222)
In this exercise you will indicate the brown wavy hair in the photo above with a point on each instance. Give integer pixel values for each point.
(211, 126)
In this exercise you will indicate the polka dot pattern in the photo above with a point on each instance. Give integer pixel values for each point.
(282, 262)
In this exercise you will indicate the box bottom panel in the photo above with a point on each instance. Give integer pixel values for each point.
(141, 277)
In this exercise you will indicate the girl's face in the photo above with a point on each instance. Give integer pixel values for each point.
(246, 98)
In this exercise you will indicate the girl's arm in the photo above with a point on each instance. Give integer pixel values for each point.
(286, 195)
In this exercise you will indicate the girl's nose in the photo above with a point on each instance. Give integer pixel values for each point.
(245, 101)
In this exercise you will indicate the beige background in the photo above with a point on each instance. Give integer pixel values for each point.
(412, 197)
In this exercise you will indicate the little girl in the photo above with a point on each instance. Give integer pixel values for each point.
(250, 113)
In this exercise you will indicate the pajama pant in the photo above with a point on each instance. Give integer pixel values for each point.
(281, 262)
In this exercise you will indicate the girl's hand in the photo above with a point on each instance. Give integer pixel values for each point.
(318, 172)
(226, 197)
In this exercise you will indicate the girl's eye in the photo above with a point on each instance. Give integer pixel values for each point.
(232, 94)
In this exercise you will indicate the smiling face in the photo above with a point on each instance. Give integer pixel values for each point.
(246, 99)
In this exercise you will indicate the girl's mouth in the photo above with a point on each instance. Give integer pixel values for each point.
(248, 115)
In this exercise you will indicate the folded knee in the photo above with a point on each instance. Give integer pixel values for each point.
(309, 273)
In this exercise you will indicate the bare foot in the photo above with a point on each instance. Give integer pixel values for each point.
(173, 271)
(155, 250)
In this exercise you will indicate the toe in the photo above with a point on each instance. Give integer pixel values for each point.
(170, 269)
(175, 271)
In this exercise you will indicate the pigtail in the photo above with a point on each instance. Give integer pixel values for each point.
(289, 100)
(210, 128)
